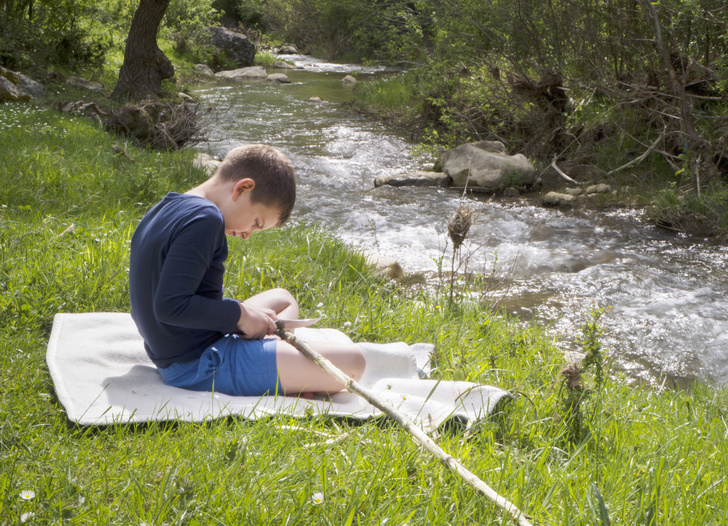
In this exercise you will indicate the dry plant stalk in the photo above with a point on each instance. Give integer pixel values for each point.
(459, 224)
(420, 436)
(458, 227)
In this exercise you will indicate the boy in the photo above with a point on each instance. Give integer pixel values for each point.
(198, 339)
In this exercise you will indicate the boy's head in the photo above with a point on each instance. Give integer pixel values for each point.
(272, 171)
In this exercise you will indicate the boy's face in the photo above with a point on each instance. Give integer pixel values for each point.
(243, 217)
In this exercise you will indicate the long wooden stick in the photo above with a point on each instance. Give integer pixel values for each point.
(449, 461)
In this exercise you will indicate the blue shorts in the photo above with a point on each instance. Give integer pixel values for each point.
(231, 366)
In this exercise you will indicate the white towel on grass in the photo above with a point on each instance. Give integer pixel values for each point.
(103, 376)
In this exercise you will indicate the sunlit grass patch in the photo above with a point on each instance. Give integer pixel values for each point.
(68, 207)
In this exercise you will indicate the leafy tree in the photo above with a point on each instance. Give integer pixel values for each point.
(59, 32)
(145, 65)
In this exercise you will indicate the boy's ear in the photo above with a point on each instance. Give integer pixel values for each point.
(241, 186)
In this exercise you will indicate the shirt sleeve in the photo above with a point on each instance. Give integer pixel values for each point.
(187, 268)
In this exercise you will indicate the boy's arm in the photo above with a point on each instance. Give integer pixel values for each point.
(189, 258)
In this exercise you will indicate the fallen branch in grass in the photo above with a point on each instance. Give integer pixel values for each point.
(642, 157)
(449, 461)
(561, 173)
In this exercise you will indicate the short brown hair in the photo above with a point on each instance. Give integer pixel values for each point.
(272, 171)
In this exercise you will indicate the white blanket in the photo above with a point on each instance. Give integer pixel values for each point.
(103, 376)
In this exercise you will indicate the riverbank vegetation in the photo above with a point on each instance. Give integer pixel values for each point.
(576, 445)
(629, 93)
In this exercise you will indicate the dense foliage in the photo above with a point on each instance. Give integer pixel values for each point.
(73, 35)
(614, 90)
(627, 91)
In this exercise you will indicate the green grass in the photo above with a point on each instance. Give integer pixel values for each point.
(391, 98)
(68, 207)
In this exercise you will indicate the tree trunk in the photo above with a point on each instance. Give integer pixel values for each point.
(145, 66)
(698, 157)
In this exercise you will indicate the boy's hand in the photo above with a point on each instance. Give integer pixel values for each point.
(255, 322)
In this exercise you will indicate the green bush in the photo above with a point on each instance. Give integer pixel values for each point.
(187, 21)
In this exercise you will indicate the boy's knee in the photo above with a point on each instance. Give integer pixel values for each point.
(357, 363)
(287, 296)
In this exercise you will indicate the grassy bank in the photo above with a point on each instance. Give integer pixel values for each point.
(68, 207)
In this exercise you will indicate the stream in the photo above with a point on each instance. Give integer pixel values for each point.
(667, 295)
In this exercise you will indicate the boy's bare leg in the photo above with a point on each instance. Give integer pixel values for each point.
(298, 374)
(280, 301)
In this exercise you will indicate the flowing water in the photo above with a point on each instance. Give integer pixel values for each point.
(667, 295)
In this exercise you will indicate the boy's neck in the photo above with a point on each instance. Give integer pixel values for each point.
(211, 190)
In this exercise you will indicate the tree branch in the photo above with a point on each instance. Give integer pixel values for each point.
(639, 159)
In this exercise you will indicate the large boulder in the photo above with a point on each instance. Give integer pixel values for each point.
(250, 73)
(16, 87)
(236, 46)
(486, 164)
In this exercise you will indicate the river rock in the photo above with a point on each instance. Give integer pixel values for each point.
(486, 164)
(418, 178)
(204, 69)
(207, 162)
(281, 78)
(16, 87)
(288, 49)
(316, 99)
(557, 199)
(348, 80)
(384, 265)
(235, 45)
(81, 83)
(598, 189)
(279, 64)
(250, 73)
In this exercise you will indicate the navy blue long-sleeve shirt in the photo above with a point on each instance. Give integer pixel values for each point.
(176, 273)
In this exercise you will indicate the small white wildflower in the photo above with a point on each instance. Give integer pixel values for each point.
(317, 498)
(321, 304)
(27, 494)
(25, 517)
(347, 324)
